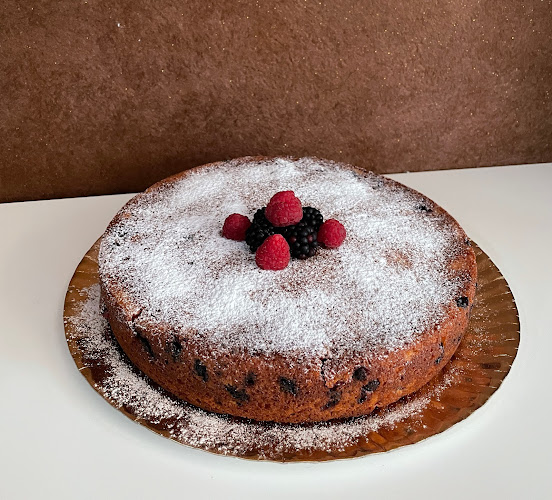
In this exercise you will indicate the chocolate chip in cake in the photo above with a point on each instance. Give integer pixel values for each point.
(424, 208)
(176, 349)
(361, 373)
(145, 344)
(367, 388)
(238, 394)
(201, 370)
(288, 385)
(103, 311)
(250, 379)
(491, 366)
(371, 386)
(468, 242)
(440, 358)
(378, 184)
(462, 302)
(334, 396)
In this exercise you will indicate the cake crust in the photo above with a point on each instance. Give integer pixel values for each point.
(275, 375)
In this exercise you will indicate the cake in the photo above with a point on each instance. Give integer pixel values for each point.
(334, 336)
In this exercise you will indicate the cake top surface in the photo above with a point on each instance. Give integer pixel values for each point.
(390, 280)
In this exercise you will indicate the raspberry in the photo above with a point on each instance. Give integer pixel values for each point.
(331, 234)
(273, 254)
(284, 209)
(235, 226)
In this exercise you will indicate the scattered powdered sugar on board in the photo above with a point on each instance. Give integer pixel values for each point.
(125, 388)
(387, 283)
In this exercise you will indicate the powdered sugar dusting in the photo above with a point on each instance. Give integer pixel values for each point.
(124, 387)
(388, 282)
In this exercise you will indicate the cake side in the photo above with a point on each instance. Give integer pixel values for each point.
(360, 354)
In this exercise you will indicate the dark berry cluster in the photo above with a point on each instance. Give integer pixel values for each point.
(301, 237)
(284, 229)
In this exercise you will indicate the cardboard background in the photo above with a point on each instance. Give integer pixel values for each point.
(110, 96)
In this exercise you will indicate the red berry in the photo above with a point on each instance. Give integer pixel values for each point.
(235, 226)
(284, 209)
(273, 253)
(331, 233)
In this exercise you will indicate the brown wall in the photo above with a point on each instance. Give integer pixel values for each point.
(110, 96)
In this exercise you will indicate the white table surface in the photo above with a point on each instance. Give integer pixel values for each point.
(60, 439)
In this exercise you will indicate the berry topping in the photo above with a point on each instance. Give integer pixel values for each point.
(302, 240)
(303, 228)
(273, 254)
(312, 217)
(284, 209)
(235, 227)
(331, 234)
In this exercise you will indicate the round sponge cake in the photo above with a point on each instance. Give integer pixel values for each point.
(337, 335)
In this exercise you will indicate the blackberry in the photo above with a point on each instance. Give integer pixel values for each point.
(312, 217)
(259, 230)
(302, 240)
(260, 216)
